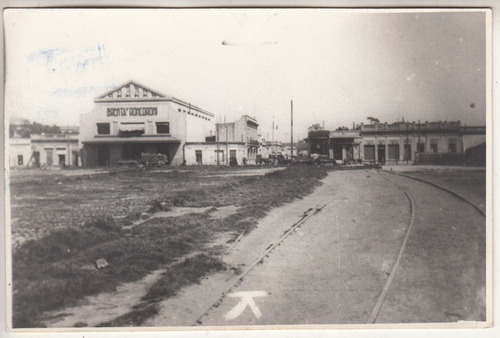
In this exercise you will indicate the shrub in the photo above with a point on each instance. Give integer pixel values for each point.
(104, 222)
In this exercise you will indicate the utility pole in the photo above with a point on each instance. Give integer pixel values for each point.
(407, 155)
(227, 145)
(272, 133)
(217, 125)
(291, 132)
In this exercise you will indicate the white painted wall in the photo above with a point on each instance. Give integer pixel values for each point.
(19, 147)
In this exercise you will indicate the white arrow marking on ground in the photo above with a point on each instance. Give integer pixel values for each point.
(246, 299)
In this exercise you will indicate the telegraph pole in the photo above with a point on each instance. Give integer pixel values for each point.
(217, 125)
(291, 133)
(272, 133)
(227, 145)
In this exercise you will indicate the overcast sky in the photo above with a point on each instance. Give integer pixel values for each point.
(337, 66)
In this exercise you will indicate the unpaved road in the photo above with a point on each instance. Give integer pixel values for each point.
(333, 268)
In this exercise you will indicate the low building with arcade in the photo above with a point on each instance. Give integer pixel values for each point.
(439, 142)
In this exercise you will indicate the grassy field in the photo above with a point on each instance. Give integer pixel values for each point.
(62, 225)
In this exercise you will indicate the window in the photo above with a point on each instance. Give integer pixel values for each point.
(393, 151)
(119, 93)
(452, 148)
(369, 152)
(434, 148)
(136, 93)
(144, 94)
(127, 94)
(129, 129)
(179, 110)
(232, 153)
(19, 159)
(162, 128)
(421, 147)
(103, 129)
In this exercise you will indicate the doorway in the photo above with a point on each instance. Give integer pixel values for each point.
(36, 157)
(62, 161)
(103, 155)
(199, 159)
(49, 157)
(75, 159)
(381, 153)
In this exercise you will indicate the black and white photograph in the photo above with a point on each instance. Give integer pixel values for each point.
(242, 168)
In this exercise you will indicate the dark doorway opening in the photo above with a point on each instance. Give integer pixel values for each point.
(103, 155)
(337, 152)
(381, 154)
(199, 158)
(75, 159)
(132, 151)
(36, 158)
(62, 161)
(407, 152)
(165, 150)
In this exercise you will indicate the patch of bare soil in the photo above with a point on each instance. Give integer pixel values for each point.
(50, 269)
(469, 183)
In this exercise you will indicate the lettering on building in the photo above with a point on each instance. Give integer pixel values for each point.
(143, 111)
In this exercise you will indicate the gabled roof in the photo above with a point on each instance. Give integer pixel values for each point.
(132, 91)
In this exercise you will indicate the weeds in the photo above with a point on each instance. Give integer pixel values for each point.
(104, 222)
(58, 270)
(190, 271)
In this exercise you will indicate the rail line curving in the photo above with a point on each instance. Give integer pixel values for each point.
(380, 301)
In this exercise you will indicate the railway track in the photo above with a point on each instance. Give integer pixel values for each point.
(380, 301)
(375, 312)
(235, 282)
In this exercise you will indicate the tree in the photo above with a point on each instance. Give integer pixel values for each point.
(315, 127)
(27, 129)
(373, 119)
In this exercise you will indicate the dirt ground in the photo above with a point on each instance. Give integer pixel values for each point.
(42, 201)
(333, 268)
(358, 248)
(139, 222)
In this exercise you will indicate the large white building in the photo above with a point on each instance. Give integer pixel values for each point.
(134, 119)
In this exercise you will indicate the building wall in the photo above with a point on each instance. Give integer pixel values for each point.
(51, 148)
(227, 132)
(470, 141)
(243, 130)
(19, 149)
(117, 108)
(209, 150)
(442, 143)
(391, 139)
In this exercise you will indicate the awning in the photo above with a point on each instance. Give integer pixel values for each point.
(132, 127)
(136, 139)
